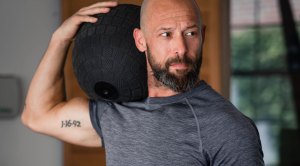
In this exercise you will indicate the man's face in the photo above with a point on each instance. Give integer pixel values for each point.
(181, 79)
(173, 38)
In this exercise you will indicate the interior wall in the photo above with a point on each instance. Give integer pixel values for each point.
(25, 29)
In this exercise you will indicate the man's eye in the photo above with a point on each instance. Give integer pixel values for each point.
(190, 34)
(166, 34)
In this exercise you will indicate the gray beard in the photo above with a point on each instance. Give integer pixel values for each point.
(181, 83)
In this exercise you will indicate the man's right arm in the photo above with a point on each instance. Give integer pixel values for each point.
(46, 109)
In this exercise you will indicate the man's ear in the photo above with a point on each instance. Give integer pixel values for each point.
(139, 39)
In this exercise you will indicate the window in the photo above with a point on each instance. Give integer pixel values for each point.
(260, 85)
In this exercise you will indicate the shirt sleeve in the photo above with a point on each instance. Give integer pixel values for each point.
(96, 109)
(235, 141)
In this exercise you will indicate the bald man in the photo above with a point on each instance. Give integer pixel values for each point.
(183, 122)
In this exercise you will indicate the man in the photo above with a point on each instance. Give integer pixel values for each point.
(183, 122)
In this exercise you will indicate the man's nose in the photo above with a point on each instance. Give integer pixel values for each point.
(179, 46)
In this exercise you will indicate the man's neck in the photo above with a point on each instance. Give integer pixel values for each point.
(160, 92)
(157, 89)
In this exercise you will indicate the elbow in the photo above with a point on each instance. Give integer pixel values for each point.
(29, 120)
(25, 118)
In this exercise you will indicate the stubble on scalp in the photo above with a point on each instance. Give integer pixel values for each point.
(147, 9)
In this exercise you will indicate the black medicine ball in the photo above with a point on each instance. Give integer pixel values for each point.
(106, 62)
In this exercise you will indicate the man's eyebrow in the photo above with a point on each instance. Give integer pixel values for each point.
(170, 28)
(193, 26)
(164, 29)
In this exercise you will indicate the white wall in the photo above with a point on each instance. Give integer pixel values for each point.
(25, 28)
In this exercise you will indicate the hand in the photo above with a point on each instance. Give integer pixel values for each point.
(67, 31)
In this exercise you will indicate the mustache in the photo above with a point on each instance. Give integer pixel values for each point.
(184, 59)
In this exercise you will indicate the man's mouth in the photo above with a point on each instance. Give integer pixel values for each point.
(178, 66)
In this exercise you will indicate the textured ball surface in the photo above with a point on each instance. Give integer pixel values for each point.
(106, 62)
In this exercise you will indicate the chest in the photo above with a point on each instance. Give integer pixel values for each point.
(159, 137)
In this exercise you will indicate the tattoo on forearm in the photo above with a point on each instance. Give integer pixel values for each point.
(70, 123)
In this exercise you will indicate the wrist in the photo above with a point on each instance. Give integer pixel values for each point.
(57, 37)
(60, 43)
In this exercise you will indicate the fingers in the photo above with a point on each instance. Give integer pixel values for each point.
(104, 4)
(85, 14)
(68, 29)
(100, 7)
(78, 19)
(93, 11)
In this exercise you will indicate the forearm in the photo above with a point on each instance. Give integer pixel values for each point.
(47, 86)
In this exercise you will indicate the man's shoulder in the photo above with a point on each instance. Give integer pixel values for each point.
(217, 113)
(207, 100)
(204, 93)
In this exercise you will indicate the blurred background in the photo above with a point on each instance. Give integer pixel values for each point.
(25, 29)
(261, 84)
(251, 57)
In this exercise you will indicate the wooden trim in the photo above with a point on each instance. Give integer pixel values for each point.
(225, 47)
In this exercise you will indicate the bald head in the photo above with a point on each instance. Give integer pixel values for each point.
(151, 7)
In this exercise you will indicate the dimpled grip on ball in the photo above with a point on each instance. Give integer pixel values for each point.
(106, 62)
